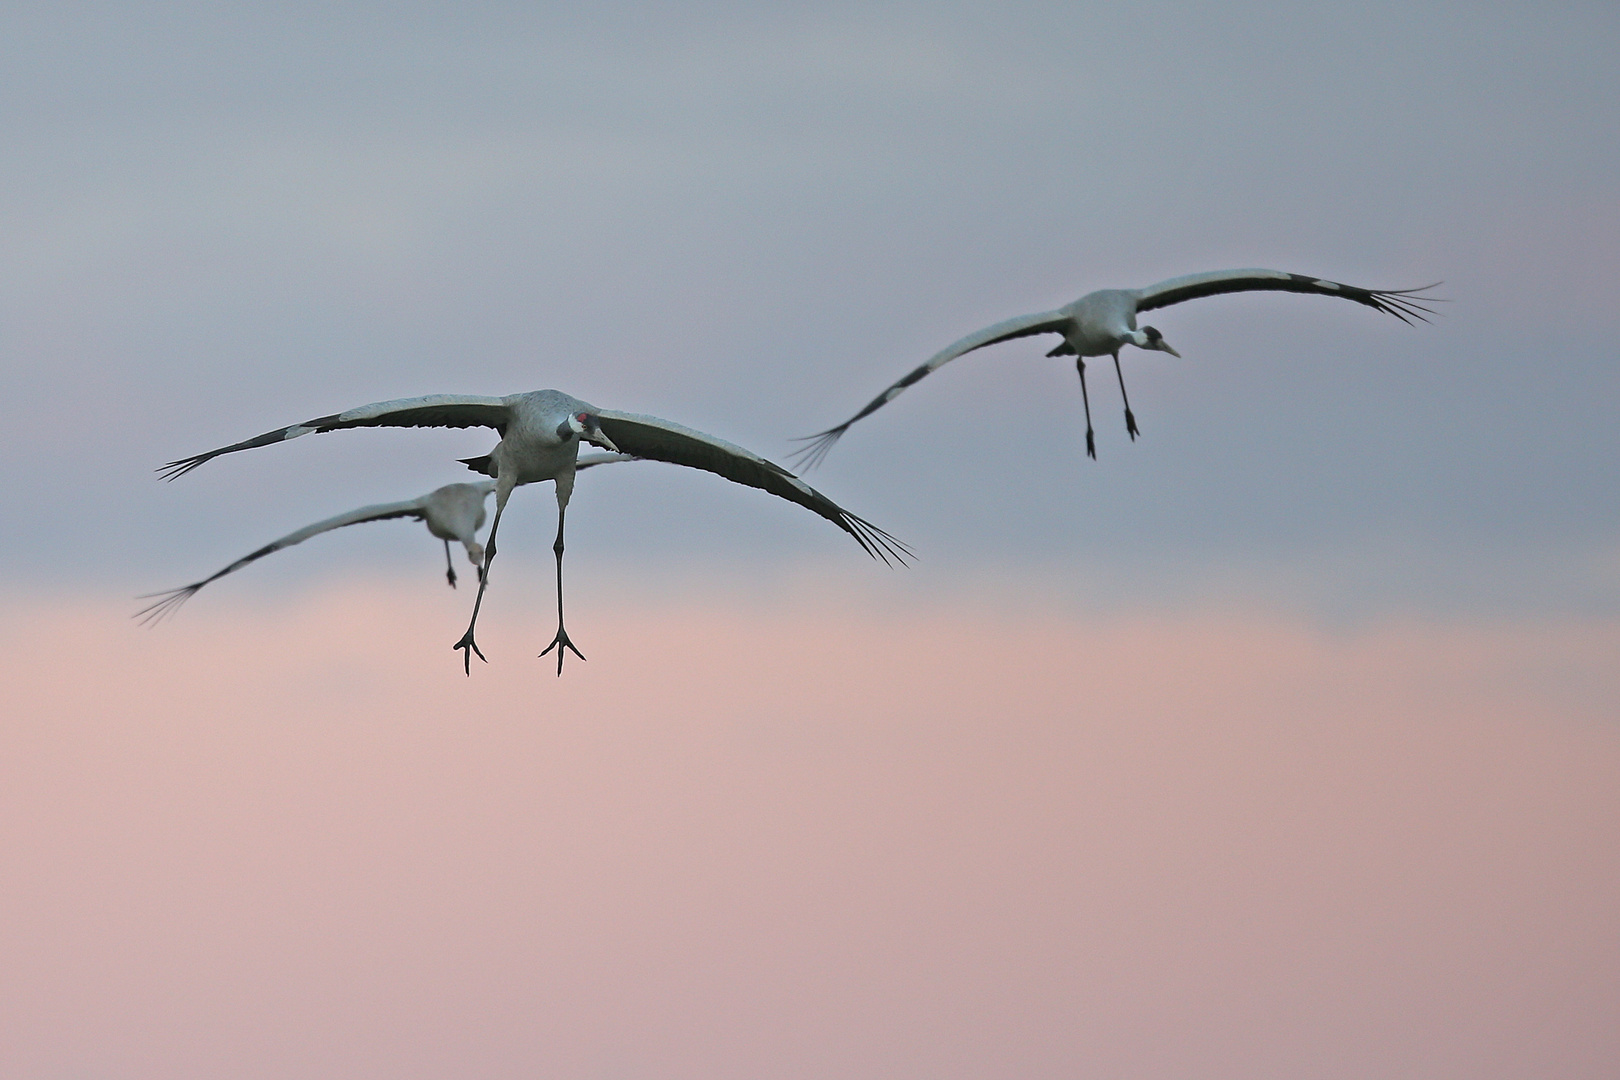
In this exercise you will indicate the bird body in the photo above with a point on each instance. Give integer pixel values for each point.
(456, 512)
(1102, 323)
(1099, 323)
(536, 441)
(541, 433)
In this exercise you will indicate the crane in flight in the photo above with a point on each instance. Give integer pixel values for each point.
(541, 433)
(1103, 322)
(452, 512)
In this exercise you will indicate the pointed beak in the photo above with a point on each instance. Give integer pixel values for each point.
(596, 438)
(1164, 346)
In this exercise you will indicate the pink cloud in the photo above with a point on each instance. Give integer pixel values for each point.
(815, 839)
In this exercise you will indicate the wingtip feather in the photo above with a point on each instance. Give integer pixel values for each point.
(165, 606)
(1408, 304)
(878, 543)
(173, 470)
(816, 447)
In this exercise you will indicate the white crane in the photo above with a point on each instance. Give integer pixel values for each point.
(1103, 322)
(452, 512)
(541, 432)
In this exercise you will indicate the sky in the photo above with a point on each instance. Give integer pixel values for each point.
(1280, 741)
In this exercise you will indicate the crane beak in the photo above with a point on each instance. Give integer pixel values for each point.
(1164, 346)
(595, 437)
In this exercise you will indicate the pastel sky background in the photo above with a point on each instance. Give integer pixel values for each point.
(1283, 742)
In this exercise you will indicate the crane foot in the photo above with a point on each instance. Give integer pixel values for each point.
(1130, 424)
(450, 576)
(468, 646)
(1091, 445)
(562, 644)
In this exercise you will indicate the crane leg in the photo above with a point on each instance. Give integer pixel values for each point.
(1091, 439)
(449, 565)
(1130, 418)
(467, 645)
(560, 642)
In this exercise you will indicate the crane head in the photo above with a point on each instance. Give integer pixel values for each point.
(583, 425)
(1155, 340)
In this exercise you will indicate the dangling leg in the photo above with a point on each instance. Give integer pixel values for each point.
(560, 642)
(449, 565)
(467, 645)
(1130, 418)
(1091, 439)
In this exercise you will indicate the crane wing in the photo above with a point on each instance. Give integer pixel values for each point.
(435, 410)
(662, 440)
(1404, 304)
(1046, 322)
(591, 461)
(168, 602)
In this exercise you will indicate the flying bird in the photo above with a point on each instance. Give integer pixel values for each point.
(453, 512)
(541, 433)
(1103, 322)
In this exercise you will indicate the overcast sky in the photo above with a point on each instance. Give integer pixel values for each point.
(222, 220)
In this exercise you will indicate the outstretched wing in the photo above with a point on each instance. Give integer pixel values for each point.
(661, 440)
(1404, 304)
(435, 410)
(1047, 322)
(168, 602)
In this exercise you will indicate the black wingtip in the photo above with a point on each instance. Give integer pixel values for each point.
(877, 543)
(173, 470)
(167, 604)
(1408, 304)
(816, 447)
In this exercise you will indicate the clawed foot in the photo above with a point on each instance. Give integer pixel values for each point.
(562, 645)
(1130, 424)
(450, 576)
(1091, 445)
(468, 646)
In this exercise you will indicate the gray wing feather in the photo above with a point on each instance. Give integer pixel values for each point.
(434, 410)
(168, 602)
(663, 440)
(1045, 322)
